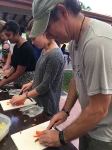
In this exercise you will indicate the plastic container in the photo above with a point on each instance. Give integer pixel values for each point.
(5, 130)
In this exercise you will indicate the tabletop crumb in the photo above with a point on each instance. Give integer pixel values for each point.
(25, 120)
(35, 120)
(4, 143)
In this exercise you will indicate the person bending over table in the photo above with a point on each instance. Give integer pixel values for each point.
(23, 59)
(47, 81)
(91, 56)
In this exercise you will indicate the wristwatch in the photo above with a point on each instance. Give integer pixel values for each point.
(61, 138)
(5, 77)
(66, 111)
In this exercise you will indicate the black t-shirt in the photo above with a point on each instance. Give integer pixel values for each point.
(24, 56)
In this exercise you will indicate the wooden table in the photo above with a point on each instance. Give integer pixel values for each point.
(20, 122)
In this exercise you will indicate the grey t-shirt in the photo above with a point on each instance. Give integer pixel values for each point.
(92, 65)
(48, 80)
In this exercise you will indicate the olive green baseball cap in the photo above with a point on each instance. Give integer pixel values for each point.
(41, 13)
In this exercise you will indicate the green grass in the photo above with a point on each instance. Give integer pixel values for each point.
(66, 80)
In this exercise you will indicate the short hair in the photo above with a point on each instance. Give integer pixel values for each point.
(2, 23)
(29, 26)
(12, 26)
(74, 6)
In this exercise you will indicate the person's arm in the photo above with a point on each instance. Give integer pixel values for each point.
(14, 76)
(70, 101)
(18, 98)
(7, 62)
(27, 86)
(96, 110)
(49, 75)
(12, 70)
(91, 116)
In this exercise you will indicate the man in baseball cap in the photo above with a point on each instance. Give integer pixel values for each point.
(41, 10)
(91, 56)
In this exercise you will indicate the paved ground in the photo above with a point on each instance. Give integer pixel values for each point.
(68, 65)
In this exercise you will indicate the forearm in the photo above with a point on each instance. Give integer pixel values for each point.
(84, 123)
(12, 70)
(13, 74)
(32, 93)
(72, 96)
(11, 78)
(8, 59)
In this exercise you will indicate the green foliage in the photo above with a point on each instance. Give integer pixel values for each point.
(85, 7)
(66, 80)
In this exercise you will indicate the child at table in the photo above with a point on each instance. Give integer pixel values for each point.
(47, 82)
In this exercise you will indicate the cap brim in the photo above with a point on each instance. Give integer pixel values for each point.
(39, 26)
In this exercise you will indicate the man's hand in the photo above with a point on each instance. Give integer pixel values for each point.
(50, 138)
(57, 119)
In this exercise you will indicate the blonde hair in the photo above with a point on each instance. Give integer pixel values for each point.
(2, 23)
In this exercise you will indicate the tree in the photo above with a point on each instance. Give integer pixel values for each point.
(85, 7)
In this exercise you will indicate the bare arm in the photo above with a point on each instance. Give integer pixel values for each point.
(12, 70)
(12, 76)
(96, 110)
(18, 98)
(91, 116)
(7, 62)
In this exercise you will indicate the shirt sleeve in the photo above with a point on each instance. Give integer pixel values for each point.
(53, 66)
(98, 66)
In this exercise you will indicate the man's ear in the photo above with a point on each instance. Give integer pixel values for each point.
(62, 11)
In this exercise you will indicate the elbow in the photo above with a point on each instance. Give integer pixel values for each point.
(103, 112)
(97, 114)
(17, 75)
(100, 114)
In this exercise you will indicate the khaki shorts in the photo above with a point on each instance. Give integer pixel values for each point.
(88, 143)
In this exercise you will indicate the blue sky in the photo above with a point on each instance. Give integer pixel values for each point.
(99, 6)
